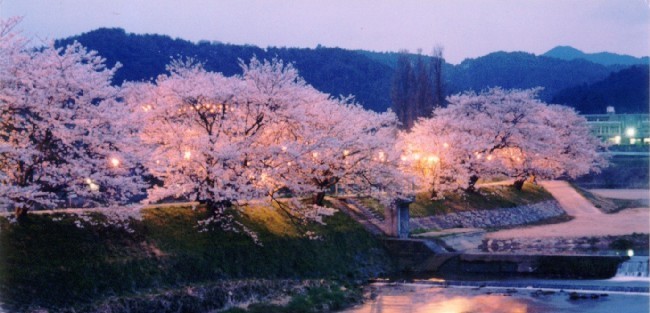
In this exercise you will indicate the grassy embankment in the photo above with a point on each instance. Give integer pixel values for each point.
(486, 198)
(50, 262)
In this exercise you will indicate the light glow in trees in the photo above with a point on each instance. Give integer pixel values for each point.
(501, 133)
(62, 130)
(221, 140)
(342, 144)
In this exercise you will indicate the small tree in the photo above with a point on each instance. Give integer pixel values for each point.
(402, 91)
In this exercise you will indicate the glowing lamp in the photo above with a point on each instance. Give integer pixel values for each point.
(115, 162)
(630, 253)
(630, 132)
(187, 155)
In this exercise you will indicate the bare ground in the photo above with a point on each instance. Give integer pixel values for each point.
(588, 220)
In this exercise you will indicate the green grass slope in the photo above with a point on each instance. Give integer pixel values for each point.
(488, 197)
(50, 262)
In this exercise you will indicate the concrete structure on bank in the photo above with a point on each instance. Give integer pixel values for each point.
(620, 129)
(397, 219)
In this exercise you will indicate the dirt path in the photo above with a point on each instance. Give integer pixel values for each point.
(588, 220)
(571, 201)
(622, 223)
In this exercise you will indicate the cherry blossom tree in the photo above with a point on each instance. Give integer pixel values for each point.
(211, 136)
(223, 140)
(436, 157)
(573, 152)
(340, 143)
(499, 133)
(505, 126)
(63, 131)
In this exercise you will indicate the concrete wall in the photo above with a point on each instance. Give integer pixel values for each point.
(521, 215)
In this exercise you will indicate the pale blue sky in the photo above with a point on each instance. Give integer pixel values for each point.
(466, 28)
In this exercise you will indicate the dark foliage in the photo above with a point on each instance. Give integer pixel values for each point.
(369, 75)
(524, 70)
(331, 70)
(626, 90)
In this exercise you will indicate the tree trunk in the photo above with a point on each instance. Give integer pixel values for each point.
(318, 198)
(471, 187)
(216, 206)
(434, 194)
(21, 212)
(519, 183)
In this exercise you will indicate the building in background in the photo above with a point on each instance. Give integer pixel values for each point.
(620, 129)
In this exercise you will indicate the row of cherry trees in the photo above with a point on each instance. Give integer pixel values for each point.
(65, 130)
(222, 139)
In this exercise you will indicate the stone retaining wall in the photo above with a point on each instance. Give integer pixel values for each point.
(494, 218)
(560, 245)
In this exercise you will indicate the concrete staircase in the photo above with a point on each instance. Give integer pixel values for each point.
(370, 219)
(372, 224)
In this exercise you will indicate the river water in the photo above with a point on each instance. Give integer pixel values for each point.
(627, 295)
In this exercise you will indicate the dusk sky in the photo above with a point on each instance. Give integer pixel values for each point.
(465, 28)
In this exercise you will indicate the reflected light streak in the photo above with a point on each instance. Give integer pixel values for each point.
(439, 301)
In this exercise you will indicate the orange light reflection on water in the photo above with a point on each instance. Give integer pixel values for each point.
(476, 304)
(437, 301)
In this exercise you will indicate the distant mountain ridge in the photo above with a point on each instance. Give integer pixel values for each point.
(522, 70)
(366, 75)
(604, 58)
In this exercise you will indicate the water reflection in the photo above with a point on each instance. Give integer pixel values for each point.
(415, 299)
(421, 298)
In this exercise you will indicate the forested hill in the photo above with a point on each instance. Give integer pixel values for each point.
(331, 70)
(524, 70)
(364, 74)
(626, 90)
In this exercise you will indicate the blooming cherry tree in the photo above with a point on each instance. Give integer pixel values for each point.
(342, 144)
(213, 138)
(62, 130)
(499, 133)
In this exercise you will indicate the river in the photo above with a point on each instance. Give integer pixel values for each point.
(627, 295)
